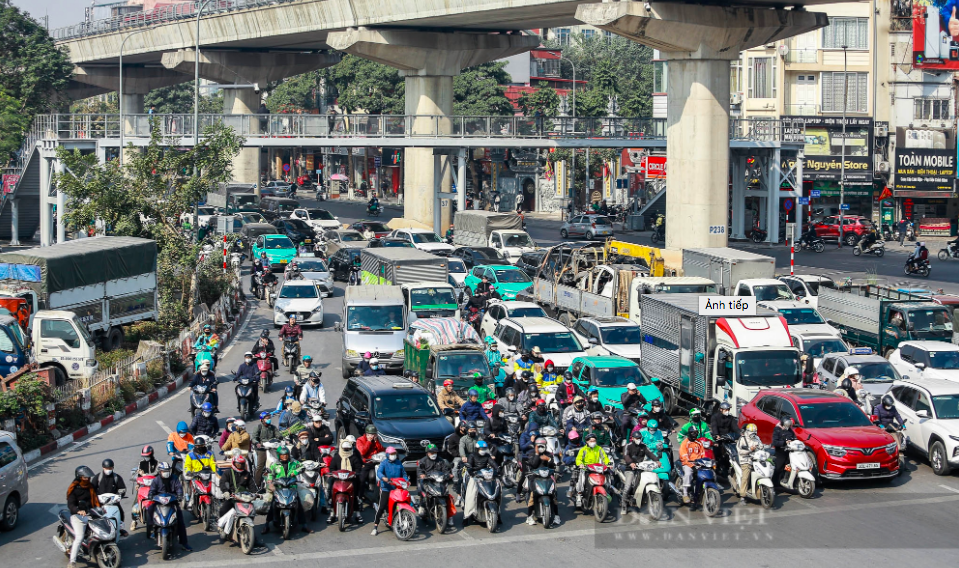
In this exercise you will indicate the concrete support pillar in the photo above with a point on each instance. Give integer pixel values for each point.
(246, 164)
(132, 104)
(61, 207)
(429, 61)
(773, 181)
(46, 209)
(699, 42)
(738, 206)
(14, 222)
(461, 180)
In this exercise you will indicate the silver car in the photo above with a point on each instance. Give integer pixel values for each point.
(315, 269)
(13, 480)
(588, 226)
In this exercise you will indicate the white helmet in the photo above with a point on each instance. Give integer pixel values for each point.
(850, 372)
(374, 361)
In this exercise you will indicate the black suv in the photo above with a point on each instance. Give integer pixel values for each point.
(403, 412)
(298, 231)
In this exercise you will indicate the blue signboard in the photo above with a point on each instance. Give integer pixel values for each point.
(788, 205)
(804, 201)
(844, 206)
(814, 193)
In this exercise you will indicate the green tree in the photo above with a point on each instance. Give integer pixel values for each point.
(178, 99)
(34, 73)
(296, 93)
(96, 105)
(478, 91)
(363, 85)
(544, 100)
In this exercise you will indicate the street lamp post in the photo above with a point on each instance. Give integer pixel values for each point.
(842, 164)
(573, 129)
(122, 43)
(196, 113)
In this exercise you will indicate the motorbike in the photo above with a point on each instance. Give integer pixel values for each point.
(553, 445)
(291, 354)
(342, 496)
(245, 400)
(438, 503)
(308, 486)
(901, 439)
(920, 267)
(237, 525)
(757, 235)
(705, 491)
(474, 317)
(951, 251)
(816, 244)
(355, 279)
(265, 366)
(596, 492)
(200, 395)
(373, 486)
(760, 478)
(659, 234)
(647, 489)
(320, 248)
(489, 493)
(373, 211)
(164, 522)
(401, 515)
(204, 354)
(285, 497)
(798, 475)
(509, 468)
(256, 286)
(138, 511)
(321, 193)
(270, 293)
(202, 503)
(910, 233)
(542, 484)
(877, 248)
(100, 539)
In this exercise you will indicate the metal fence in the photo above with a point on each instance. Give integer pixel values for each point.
(98, 126)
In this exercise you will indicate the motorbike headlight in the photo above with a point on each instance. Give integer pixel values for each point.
(834, 451)
(892, 448)
(352, 353)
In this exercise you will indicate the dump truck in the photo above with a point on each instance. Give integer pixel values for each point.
(502, 231)
(702, 360)
(881, 318)
(400, 265)
(726, 266)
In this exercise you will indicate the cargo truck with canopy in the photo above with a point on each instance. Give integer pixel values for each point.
(502, 231)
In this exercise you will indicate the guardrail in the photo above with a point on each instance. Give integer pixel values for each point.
(104, 126)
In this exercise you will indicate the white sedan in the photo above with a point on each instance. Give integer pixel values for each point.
(299, 298)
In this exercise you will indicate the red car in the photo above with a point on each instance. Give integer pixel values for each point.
(854, 228)
(845, 444)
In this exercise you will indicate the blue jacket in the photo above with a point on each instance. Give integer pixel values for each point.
(573, 447)
(370, 371)
(248, 371)
(527, 439)
(205, 426)
(390, 470)
(171, 485)
(887, 417)
(209, 380)
(472, 411)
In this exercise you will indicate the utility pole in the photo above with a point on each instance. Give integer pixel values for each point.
(842, 164)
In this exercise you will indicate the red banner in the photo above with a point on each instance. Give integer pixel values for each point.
(9, 182)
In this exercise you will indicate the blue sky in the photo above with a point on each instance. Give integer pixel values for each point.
(61, 12)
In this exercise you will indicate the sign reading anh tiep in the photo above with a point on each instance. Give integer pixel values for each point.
(727, 306)
(925, 170)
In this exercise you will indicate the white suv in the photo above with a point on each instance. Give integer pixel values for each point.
(926, 360)
(499, 309)
(423, 239)
(555, 340)
(930, 408)
(13, 481)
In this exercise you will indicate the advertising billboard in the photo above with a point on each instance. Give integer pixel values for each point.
(925, 163)
(935, 35)
(823, 148)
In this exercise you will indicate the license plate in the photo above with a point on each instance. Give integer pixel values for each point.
(307, 241)
(873, 465)
(283, 261)
(298, 317)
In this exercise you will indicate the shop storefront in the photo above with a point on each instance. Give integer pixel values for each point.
(925, 182)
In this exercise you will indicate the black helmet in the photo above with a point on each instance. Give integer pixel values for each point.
(596, 415)
(107, 464)
(265, 333)
(82, 471)
(526, 375)
(725, 406)
(887, 401)
(692, 434)
(845, 384)
(470, 425)
(567, 375)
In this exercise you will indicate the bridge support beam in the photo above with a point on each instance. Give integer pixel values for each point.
(699, 42)
(246, 164)
(428, 61)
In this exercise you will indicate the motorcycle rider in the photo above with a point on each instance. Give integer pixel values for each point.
(236, 479)
(205, 423)
(346, 459)
(509, 402)
(528, 397)
(313, 388)
(952, 245)
(524, 363)
(472, 410)
(656, 411)
(265, 431)
(783, 433)
(292, 271)
(748, 443)
(550, 376)
(256, 272)
(632, 399)
(81, 498)
(249, 370)
(920, 253)
(373, 204)
(374, 368)
(722, 422)
(168, 483)
(478, 460)
(108, 481)
(887, 414)
(592, 400)
(292, 331)
(591, 453)
(208, 339)
(485, 392)
(809, 236)
(448, 401)
(368, 445)
(850, 383)
(180, 442)
(695, 422)
(635, 453)
(567, 391)
(290, 403)
(537, 459)
(319, 431)
(264, 343)
(196, 460)
(303, 373)
(689, 451)
(541, 416)
(576, 416)
(867, 240)
(284, 467)
(303, 450)
(238, 439)
(432, 463)
(389, 469)
(493, 358)
(148, 464)
(206, 378)
(599, 430)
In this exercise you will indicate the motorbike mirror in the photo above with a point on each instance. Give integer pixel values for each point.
(905, 377)
(362, 415)
(429, 372)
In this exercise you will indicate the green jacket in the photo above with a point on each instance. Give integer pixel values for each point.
(589, 456)
(703, 430)
(485, 393)
(603, 438)
(277, 470)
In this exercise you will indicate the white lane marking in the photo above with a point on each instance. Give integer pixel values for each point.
(276, 551)
(953, 489)
(465, 535)
(407, 548)
(165, 427)
(128, 419)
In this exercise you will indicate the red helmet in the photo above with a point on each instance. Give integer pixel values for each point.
(238, 463)
(540, 401)
(448, 383)
(146, 452)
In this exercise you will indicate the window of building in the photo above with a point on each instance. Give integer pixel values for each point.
(853, 33)
(589, 34)
(608, 35)
(762, 77)
(834, 89)
(736, 76)
(547, 68)
(562, 35)
(931, 109)
(659, 76)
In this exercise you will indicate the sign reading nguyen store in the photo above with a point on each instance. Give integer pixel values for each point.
(823, 148)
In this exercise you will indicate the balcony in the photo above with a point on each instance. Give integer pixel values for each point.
(802, 56)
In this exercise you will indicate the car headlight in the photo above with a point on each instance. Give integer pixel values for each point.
(278, 309)
(399, 353)
(317, 309)
(892, 448)
(740, 403)
(352, 353)
(834, 451)
(393, 441)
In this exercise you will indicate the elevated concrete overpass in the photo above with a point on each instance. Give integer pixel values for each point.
(430, 41)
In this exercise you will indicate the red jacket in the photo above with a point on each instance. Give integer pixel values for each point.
(368, 448)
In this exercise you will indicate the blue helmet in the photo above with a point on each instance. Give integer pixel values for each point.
(207, 407)
(289, 390)
(473, 392)
(182, 428)
(264, 415)
(481, 445)
(592, 389)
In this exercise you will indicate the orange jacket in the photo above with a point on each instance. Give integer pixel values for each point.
(690, 451)
(181, 443)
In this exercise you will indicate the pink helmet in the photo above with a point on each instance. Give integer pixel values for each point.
(573, 435)
(390, 450)
(367, 355)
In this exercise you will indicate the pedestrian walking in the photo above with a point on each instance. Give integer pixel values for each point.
(902, 231)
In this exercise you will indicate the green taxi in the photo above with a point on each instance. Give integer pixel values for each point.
(279, 249)
(610, 375)
(508, 280)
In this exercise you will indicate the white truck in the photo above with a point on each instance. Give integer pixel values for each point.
(374, 321)
(666, 285)
(702, 360)
(58, 341)
(502, 231)
(726, 266)
(108, 282)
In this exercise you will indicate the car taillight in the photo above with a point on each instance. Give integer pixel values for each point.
(593, 225)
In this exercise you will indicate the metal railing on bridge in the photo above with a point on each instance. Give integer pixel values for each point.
(107, 126)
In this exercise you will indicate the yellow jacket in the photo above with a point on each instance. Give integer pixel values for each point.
(195, 463)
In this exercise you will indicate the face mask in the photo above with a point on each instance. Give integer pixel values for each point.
(594, 398)
(697, 419)
(204, 373)
(268, 422)
(303, 442)
(591, 444)
(725, 412)
(579, 405)
(108, 472)
(374, 367)
(540, 449)
(392, 457)
(479, 382)
(431, 456)
(511, 397)
(472, 434)
(165, 475)
(525, 358)
(248, 360)
(483, 452)
(207, 414)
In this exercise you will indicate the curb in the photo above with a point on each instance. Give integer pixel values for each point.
(129, 409)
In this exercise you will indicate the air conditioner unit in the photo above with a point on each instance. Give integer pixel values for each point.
(882, 130)
(735, 98)
(884, 167)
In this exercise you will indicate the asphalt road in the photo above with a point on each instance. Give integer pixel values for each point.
(909, 521)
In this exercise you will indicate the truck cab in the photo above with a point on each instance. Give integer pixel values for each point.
(374, 321)
(512, 243)
(765, 290)
(61, 341)
(806, 287)
(430, 300)
(14, 346)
